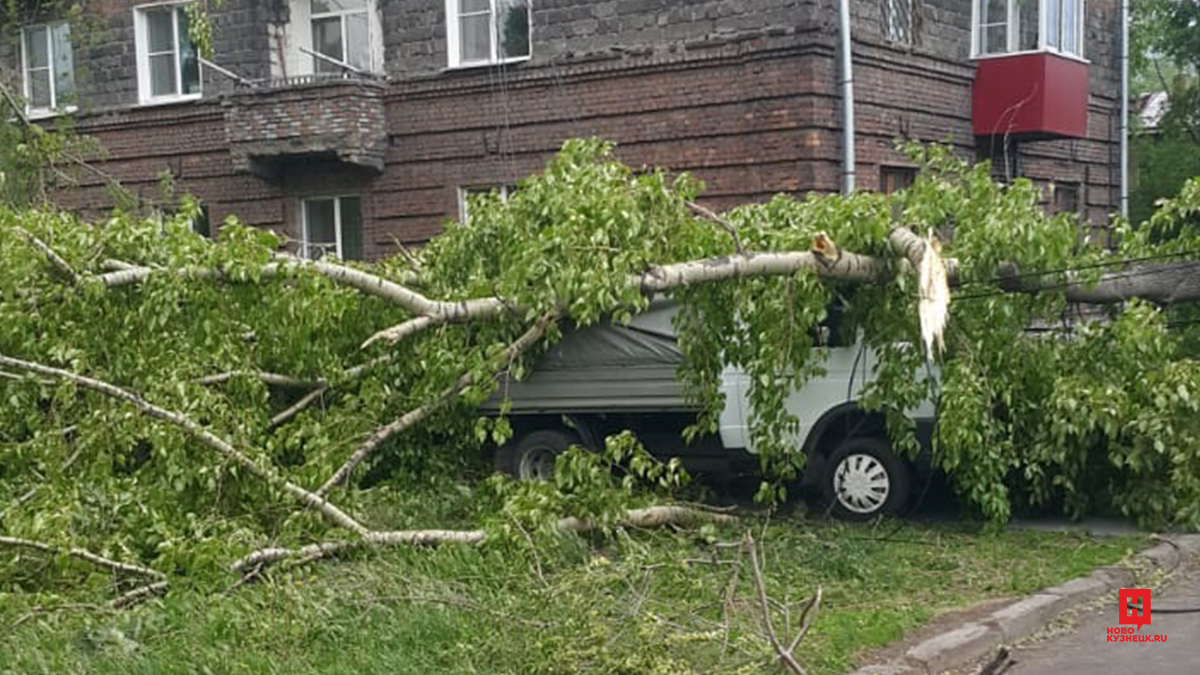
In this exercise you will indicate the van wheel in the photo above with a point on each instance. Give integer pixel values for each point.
(864, 479)
(534, 455)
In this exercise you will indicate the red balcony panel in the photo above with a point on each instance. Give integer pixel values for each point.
(1030, 96)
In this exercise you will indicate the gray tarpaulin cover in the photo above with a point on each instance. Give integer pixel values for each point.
(609, 345)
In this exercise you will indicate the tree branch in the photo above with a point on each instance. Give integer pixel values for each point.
(81, 554)
(402, 330)
(784, 654)
(202, 435)
(412, 417)
(298, 407)
(1161, 283)
(709, 214)
(61, 266)
(139, 594)
(653, 516)
(273, 379)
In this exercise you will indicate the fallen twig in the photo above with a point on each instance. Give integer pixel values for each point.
(140, 594)
(82, 554)
(785, 654)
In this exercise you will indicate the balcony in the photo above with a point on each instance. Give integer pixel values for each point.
(1031, 81)
(271, 123)
(1036, 96)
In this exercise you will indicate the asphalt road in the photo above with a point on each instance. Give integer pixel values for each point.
(1086, 650)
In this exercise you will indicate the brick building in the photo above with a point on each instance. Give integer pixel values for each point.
(350, 124)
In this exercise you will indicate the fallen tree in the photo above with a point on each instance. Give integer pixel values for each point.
(254, 374)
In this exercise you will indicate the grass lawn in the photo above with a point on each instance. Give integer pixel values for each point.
(650, 602)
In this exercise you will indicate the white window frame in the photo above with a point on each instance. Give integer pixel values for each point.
(305, 241)
(142, 44)
(366, 11)
(505, 190)
(1013, 30)
(454, 38)
(27, 85)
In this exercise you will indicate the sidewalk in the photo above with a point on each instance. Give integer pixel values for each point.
(1086, 651)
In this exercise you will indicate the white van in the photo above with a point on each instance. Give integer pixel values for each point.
(604, 379)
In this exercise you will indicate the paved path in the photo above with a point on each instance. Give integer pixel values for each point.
(1086, 651)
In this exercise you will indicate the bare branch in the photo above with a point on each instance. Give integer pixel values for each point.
(412, 417)
(201, 434)
(402, 330)
(709, 214)
(56, 261)
(785, 655)
(653, 516)
(81, 554)
(273, 379)
(298, 407)
(140, 594)
(807, 616)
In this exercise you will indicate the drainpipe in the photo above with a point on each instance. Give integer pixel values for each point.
(847, 84)
(1125, 108)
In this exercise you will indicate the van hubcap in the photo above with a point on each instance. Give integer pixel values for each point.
(861, 483)
(537, 464)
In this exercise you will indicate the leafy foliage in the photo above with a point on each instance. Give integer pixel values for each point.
(1019, 413)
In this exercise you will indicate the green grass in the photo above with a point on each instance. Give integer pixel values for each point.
(646, 603)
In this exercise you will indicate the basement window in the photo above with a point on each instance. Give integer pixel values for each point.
(896, 178)
(332, 226)
(484, 32)
(1020, 26)
(48, 68)
(168, 63)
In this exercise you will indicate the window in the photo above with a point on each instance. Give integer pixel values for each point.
(900, 20)
(341, 30)
(49, 70)
(465, 193)
(896, 178)
(168, 64)
(1011, 26)
(1065, 197)
(332, 225)
(480, 32)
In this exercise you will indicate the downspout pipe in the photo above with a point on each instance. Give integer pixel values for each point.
(1124, 108)
(847, 86)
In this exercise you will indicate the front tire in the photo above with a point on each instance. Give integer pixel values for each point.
(533, 456)
(865, 479)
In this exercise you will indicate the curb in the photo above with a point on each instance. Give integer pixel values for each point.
(971, 642)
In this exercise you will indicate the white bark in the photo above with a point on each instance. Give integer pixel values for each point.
(652, 516)
(61, 266)
(81, 554)
(201, 434)
(413, 417)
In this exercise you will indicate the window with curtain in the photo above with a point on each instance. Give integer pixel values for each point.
(49, 71)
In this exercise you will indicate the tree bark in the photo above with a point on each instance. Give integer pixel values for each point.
(415, 416)
(81, 554)
(201, 434)
(1160, 283)
(652, 516)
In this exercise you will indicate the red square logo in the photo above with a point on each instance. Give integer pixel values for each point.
(1134, 606)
